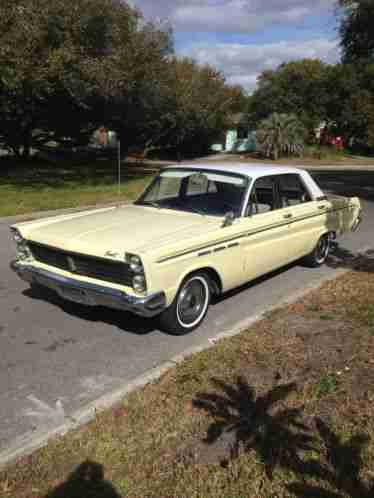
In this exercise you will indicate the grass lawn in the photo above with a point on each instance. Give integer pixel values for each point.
(38, 186)
(283, 410)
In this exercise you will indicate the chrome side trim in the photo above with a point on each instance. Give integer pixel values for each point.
(248, 233)
(91, 294)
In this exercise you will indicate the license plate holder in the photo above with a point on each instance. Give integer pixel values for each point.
(45, 282)
(78, 296)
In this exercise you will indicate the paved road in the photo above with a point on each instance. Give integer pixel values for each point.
(56, 357)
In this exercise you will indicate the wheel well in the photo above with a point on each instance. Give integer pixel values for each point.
(216, 287)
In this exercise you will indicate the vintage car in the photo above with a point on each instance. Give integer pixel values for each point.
(196, 232)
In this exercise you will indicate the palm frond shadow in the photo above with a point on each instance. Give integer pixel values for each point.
(340, 470)
(277, 435)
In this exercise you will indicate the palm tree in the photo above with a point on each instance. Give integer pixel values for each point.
(281, 133)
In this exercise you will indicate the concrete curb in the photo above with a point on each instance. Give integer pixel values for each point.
(30, 442)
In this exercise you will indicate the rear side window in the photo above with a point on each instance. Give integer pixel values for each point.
(292, 191)
(263, 196)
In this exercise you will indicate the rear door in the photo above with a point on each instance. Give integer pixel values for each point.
(307, 217)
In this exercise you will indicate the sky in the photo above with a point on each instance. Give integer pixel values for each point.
(244, 37)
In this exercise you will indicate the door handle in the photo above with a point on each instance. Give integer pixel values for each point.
(321, 207)
(287, 216)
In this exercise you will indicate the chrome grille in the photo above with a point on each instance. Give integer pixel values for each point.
(86, 266)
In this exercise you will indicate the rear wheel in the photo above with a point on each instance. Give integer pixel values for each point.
(189, 307)
(320, 253)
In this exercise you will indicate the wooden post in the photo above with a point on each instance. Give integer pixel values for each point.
(119, 167)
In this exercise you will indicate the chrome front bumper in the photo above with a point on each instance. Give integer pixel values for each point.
(91, 294)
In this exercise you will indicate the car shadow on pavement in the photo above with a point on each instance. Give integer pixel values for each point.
(341, 258)
(125, 321)
(128, 322)
(87, 480)
(122, 320)
(252, 283)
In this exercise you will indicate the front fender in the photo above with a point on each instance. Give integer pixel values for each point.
(168, 277)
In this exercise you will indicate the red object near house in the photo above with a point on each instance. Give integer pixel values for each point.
(327, 138)
(339, 143)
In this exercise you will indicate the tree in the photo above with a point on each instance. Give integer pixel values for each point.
(65, 65)
(281, 134)
(296, 87)
(356, 31)
(196, 108)
(68, 67)
(350, 108)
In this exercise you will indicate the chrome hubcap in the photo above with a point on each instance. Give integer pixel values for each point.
(323, 248)
(192, 302)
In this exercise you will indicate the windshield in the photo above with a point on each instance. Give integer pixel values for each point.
(207, 192)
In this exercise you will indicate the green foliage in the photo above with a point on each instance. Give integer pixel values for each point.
(350, 109)
(356, 31)
(340, 95)
(68, 67)
(66, 64)
(297, 87)
(328, 384)
(281, 134)
(200, 104)
(323, 152)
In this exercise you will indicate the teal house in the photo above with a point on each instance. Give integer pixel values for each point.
(238, 138)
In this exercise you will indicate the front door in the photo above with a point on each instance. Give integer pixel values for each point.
(266, 242)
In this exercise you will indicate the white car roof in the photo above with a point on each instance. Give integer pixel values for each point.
(254, 171)
(251, 170)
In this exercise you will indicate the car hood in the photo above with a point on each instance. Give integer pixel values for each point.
(111, 233)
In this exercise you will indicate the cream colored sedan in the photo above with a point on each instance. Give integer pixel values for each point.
(196, 231)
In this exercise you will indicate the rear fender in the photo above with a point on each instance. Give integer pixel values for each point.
(344, 215)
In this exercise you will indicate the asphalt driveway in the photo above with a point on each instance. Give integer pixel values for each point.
(56, 357)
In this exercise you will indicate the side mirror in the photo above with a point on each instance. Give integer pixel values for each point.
(229, 219)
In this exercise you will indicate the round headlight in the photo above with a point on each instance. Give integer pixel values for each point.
(135, 263)
(24, 252)
(18, 239)
(138, 283)
(135, 260)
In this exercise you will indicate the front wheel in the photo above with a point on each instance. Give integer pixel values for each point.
(320, 253)
(189, 307)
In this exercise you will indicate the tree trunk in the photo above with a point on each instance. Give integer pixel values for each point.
(26, 144)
